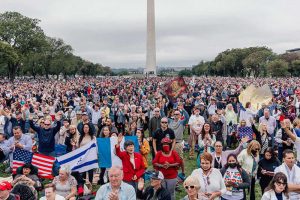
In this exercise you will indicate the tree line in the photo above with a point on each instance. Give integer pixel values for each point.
(25, 50)
(252, 61)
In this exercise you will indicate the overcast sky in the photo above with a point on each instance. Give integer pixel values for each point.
(113, 32)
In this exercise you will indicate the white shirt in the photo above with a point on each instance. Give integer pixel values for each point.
(2, 123)
(216, 182)
(297, 147)
(57, 197)
(293, 176)
(95, 116)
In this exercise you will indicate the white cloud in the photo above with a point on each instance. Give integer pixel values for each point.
(114, 32)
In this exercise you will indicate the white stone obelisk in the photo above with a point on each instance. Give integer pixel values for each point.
(151, 46)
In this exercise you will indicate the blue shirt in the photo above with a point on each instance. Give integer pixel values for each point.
(126, 192)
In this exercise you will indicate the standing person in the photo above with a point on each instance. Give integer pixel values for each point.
(96, 114)
(282, 138)
(196, 123)
(168, 161)
(248, 159)
(115, 188)
(86, 137)
(46, 135)
(236, 179)
(85, 120)
(292, 173)
(178, 126)
(262, 136)
(206, 139)
(154, 124)
(155, 190)
(231, 122)
(294, 138)
(106, 134)
(18, 141)
(217, 128)
(161, 133)
(72, 138)
(266, 167)
(63, 132)
(4, 148)
(270, 121)
(220, 156)
(247, 114)
(144, 146)
(277, 189)
(212, 185)
(133, 164)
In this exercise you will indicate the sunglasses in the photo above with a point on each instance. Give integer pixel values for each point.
(189, 187)
(280, 183)
(47, 124)
(176, 114)
(256, 149)
(164, 122)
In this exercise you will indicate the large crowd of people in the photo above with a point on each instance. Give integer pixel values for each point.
(233, 151)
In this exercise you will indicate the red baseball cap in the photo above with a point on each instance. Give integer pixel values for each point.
(5, 185)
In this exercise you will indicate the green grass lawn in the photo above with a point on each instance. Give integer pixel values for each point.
(190, 165)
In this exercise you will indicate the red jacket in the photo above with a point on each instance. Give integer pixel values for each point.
(128, 169)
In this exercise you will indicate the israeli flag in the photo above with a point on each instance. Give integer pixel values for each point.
(82, 159)
(106, 150)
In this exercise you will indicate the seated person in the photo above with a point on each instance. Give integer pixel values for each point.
(66, 184)
(27, 175)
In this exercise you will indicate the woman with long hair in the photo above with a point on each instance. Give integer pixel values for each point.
(72, 138)
(263, 137)
(236, 179)
(144, 145)
(84, 139)
(266, 167)
(277, 189)
(106, 134)
(206, 139)
(248, 159)
(231, 121)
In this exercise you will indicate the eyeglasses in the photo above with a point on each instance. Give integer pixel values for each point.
(156, 111)
(164, 122)
(280, 183)
(189, 187)
(218, 146)
(176, 114)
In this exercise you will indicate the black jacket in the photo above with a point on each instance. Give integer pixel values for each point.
(162, 194)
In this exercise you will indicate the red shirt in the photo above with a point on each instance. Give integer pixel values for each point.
(171, 172)
(128, 169)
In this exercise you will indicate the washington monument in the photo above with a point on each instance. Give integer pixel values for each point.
(151, 47)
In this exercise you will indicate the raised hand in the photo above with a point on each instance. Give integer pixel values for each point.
(120, 138)
(141, 184)
(245, 139)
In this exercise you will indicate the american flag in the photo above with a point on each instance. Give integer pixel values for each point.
(44, 165)
(20, 157)
(245, 131)
(42, 162)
